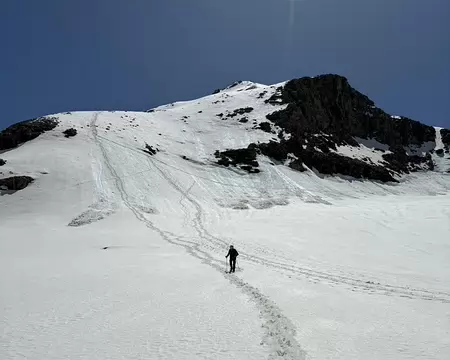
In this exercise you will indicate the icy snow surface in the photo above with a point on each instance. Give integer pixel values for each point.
(116, 254)
(441, 159)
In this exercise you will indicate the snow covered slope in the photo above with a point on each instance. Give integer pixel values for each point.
(440, 156)
(116, 249)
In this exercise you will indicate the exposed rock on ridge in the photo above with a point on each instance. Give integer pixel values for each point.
(325, 112)
(25, 131)
(329, 104)
(15, 183)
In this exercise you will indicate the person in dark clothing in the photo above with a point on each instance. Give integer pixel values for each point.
(233, 254)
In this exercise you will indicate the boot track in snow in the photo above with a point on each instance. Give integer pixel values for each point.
(279, 331)
(287, 266)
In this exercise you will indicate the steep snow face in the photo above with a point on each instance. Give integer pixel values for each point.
(441, 158)
(116, 250)
(439, 143)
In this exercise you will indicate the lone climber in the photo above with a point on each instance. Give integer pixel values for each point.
(233, 254)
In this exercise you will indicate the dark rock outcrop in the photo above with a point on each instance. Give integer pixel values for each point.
(265, 126)
(400, 162)
(150, 149)
(25, 131)
(328, 104)
(333, 163)
(326, 111)
(277, 151)
(325, 162)
(15, 183)
(297, 165)
(244, 158)
(240, 111)
(2, 162)
(276, 98)
(70, 132)
(262, 94)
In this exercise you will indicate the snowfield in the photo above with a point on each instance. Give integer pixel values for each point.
(113, 253)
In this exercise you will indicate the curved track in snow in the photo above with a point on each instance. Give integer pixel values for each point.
(215, 244)
(287, 266)
(279, 330)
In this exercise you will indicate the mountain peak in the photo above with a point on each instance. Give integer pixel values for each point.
(310, 124)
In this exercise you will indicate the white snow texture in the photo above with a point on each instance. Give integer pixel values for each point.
(113, 253)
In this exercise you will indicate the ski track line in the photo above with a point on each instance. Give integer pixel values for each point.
(279, 331)
(381, 288)
(371, 287)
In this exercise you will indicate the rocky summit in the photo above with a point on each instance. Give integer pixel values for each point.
(325, 114)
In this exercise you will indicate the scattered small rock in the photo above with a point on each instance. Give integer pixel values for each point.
(250, 169)
(150, 150)
(241, 111)
(16, 183)
(70, 132)
(261, 95)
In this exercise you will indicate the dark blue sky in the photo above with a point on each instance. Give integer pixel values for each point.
(60, 55)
